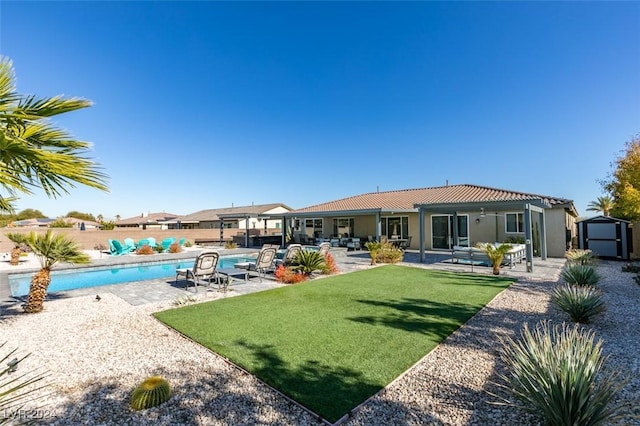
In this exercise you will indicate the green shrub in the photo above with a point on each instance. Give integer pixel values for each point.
(230, 245)
(514, 240)
(152, 392)
(107, 226)
(60, 223)
(577, 274)
(581, 257)
(560, 374)
(580, 302)
(188, 243)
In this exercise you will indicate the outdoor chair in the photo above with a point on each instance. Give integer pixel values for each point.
(116, 249)
(205, 267)
(264, 263)
(353, 244)
(289, 255)
(129, 245)
(323, 248)
(166, 243)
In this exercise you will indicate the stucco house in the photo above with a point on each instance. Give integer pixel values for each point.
(147, 221)
(256, 216)
(438, 218)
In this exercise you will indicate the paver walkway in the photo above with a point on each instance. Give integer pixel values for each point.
(167, 289)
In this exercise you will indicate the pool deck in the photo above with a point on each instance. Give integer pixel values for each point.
(167, 289)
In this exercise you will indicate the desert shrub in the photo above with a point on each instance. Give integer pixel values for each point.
(288, 276)
(185, 300)
(330, 263)
(60, 223)
(107, 226)
(581, 257)
(175, 248)
(100, 247)
(230, 245)
(158, 248)
(631, 267)
(188, 243)
(580, 302)
(145, 250)
(559, 373)
(152, 392)
(308, 261)
(388, 253)
(577, 274)
(373, 247)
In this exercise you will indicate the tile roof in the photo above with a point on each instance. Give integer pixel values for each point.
(213, 214)
(405, 199)
(147, 218)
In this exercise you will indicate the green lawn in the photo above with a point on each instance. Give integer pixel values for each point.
(332, 343)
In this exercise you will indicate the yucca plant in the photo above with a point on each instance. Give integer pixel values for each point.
(580, 302)
(373, 247)
(580, 274)
(308, 261)
(16, 387)
(581, 257)
(559, 373)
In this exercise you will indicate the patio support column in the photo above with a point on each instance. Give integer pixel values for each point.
(221, 231)
(528, 238)
(456, 231)
(421, 232)
(246, 234)
(283, 226)
(378, 227)
(543, 237)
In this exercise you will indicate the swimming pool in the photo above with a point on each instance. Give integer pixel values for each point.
(71, 279)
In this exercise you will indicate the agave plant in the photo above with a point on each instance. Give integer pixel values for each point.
(559, 373)
(50, 249)
(580, 274)
(580, 302)
(308, 261)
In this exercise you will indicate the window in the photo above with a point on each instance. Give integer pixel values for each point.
(514, 222)
(313, 227)
(395, 226)
(342, 226)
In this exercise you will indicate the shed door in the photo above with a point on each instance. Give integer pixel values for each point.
(604, 239)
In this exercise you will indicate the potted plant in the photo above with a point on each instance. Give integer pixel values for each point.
(495, 253)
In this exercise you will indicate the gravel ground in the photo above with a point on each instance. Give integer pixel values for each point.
(96, 353)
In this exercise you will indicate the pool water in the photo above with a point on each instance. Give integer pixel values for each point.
(94, 277)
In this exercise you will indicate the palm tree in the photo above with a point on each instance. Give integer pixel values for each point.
(34, 153)
(603, 204)
(495, 254)
(50, 249)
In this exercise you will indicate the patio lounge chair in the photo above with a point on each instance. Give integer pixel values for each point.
(204, 267)
(129, 245)
(116, 248)
(166, 243)
(289, 255)
(264, 263)
(323, 248)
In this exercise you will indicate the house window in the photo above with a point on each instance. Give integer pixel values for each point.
(395, 226)
(343, 227)
(313, 227)
(514, 222)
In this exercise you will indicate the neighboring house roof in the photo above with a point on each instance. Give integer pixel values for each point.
(76, 222)
(214, 214)
(148, 218)
(32, 223)
(406, 199)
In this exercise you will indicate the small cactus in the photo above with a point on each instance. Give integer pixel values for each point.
(150, 393)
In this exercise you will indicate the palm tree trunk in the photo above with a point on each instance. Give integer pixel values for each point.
(38, 291)
(15, 256)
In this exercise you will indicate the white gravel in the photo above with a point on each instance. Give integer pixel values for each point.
(97, 352)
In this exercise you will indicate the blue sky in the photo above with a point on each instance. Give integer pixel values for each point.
(207, 104)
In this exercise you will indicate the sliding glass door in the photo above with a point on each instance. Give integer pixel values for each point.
(442, 231)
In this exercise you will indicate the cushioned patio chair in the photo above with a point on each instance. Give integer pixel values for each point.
(323, 248)
(264, 263)
(205, 267)
(289, 255)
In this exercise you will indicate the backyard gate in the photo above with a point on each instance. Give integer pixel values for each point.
(606, 236)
